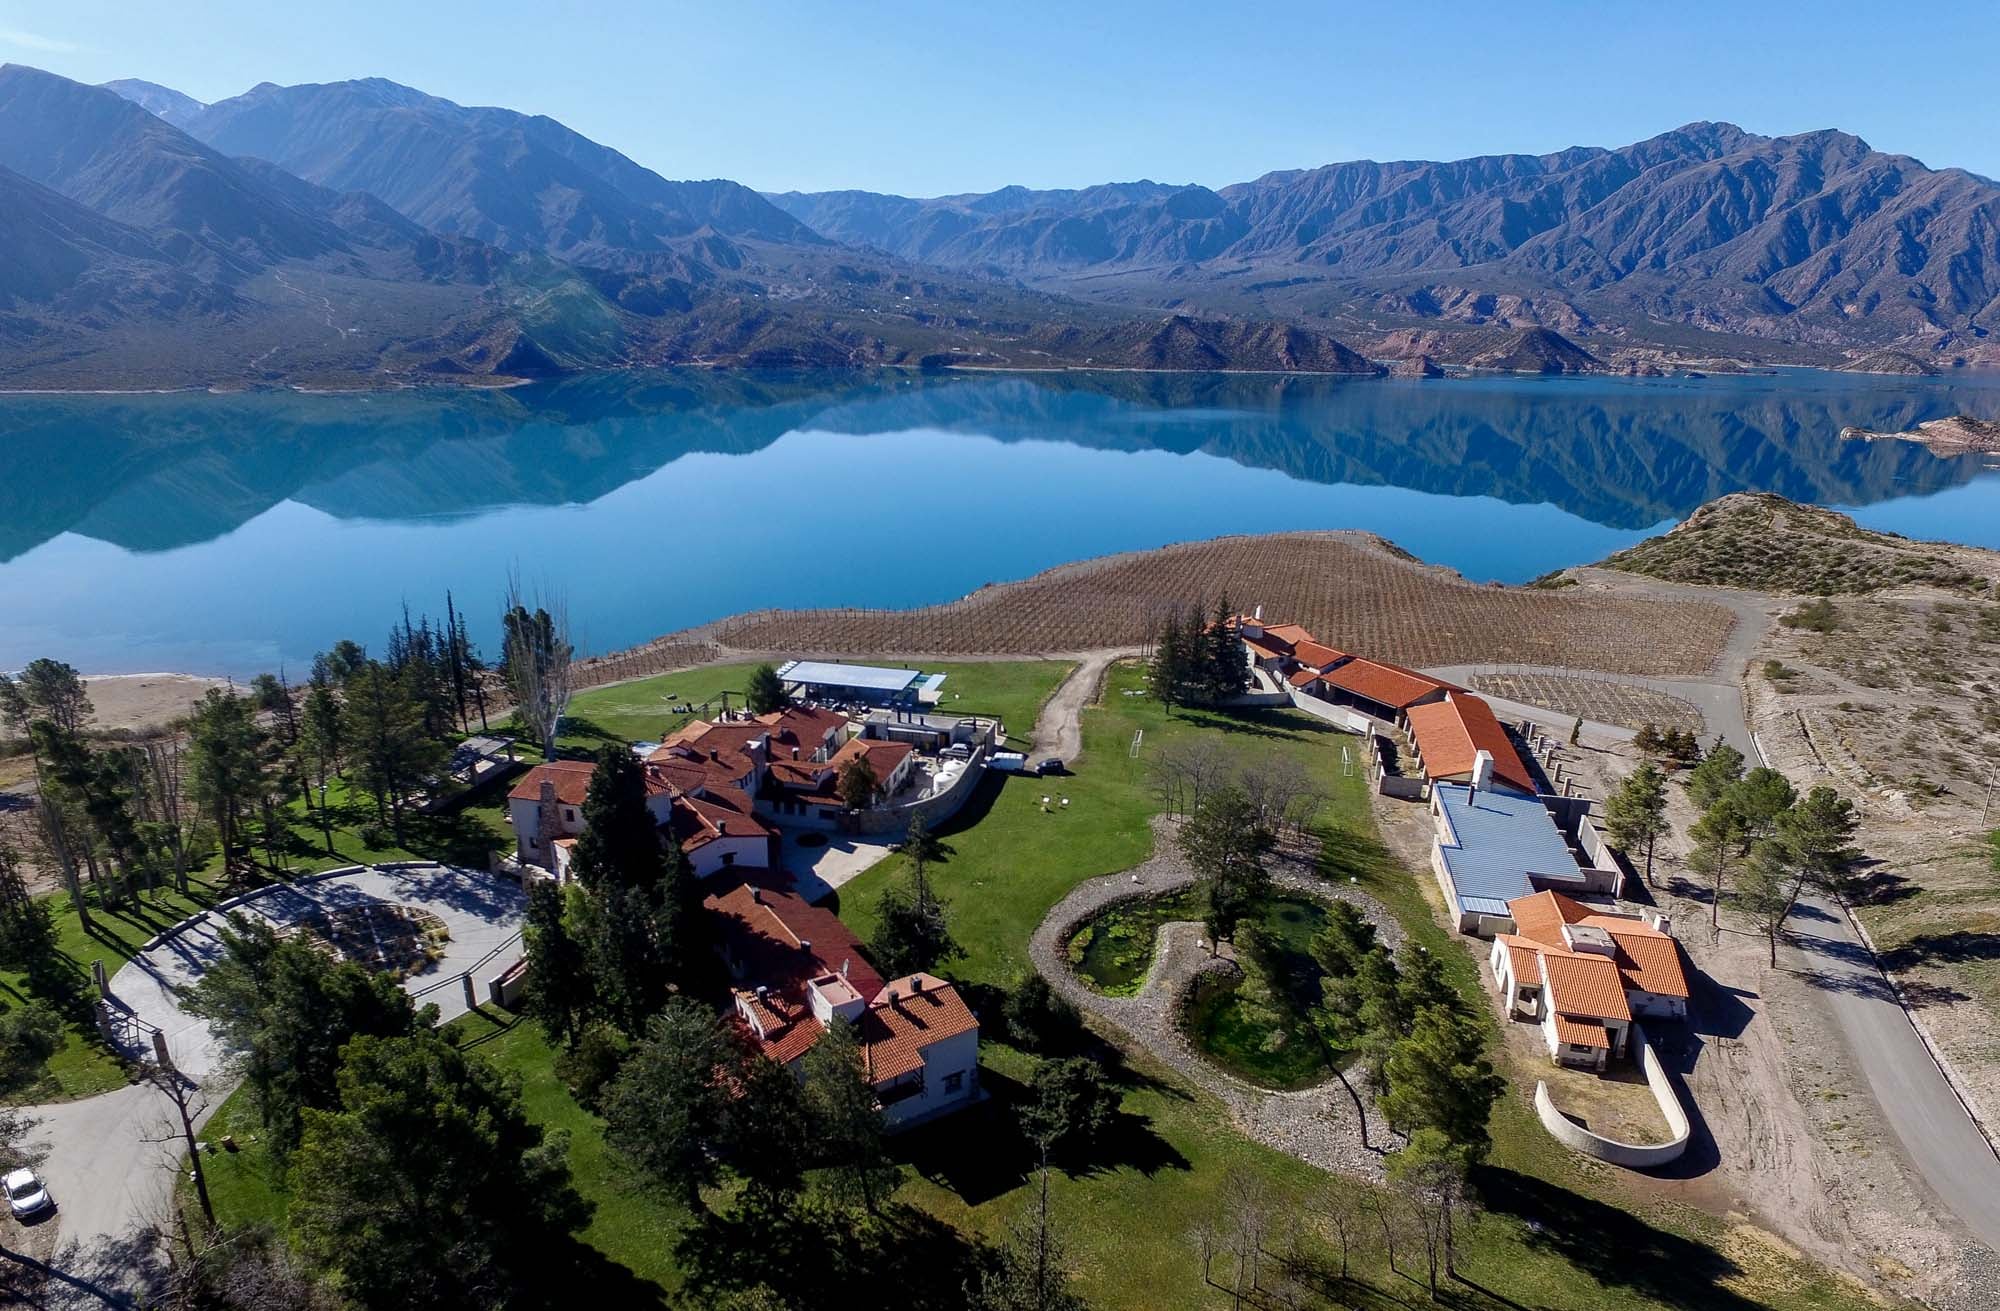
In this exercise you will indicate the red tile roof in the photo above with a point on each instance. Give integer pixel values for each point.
(1389, 685)
(1287, 635)
(1317, 655)
(1451, 733)
(881, 755)
(1584, 1033)
(765, 926)
(1301, 677)
(697, 820)
(806, 727)
(1647, 959)
(1582, 984)
(1268, 650)
(571, 777)
(908, 1015)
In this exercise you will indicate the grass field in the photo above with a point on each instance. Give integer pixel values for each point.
(1557, 1235)
(639, 711)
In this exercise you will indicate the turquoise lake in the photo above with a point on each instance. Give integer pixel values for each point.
(231, 534)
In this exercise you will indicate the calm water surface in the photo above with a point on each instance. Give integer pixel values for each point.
(234, 534)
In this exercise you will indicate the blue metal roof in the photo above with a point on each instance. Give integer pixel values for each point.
(872, 678)
(1502, 839)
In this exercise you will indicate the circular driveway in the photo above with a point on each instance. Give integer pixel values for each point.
(481, 912)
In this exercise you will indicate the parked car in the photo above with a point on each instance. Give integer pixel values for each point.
(957, 751)
(1008, 762)
(27, 1195)
(1050, 766)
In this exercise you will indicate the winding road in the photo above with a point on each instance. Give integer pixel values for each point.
(110, 1159)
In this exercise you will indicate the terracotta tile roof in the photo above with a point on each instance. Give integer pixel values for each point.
(1451, 733)
(1584, 984)
(1388, 685)
(1584, 1033)
(802, 726)
(882, 755)
(571, 777)
(1647, 959)
(1317, 655)
(1540, 917)
(908, 1015)
(764, 926)
(1268, 650)
(1523, 959)
(697, 820)
(1287, 635)
(1301, 677)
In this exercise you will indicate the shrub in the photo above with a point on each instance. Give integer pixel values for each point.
(594, 1062)
(29, 1035)
(1818, 616)
(1041, 1019)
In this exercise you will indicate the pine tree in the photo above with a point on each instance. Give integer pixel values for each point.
(765, 692)
(559, 986)
(1226, 669)
(1169, 672)
(1635, 815)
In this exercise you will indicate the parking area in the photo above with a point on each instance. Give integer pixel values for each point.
(480, 912)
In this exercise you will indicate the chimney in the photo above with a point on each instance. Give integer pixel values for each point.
(795, 753)
(917, 984)
(845, 962)
(713, 754)
(1258, 614)
(1482, 770)
(805, 944)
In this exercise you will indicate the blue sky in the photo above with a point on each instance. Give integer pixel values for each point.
(893, 95)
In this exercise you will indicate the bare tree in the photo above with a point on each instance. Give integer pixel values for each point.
(1344, 1209)
(54, 832)
(537, 657)
(163, 800)
(1249, 1213)
(188, 1104)
(1301, 811)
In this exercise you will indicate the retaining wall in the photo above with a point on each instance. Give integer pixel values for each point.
(934, 810)
(1633, 1156)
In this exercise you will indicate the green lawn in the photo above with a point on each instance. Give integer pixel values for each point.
(1011, 691)
(1559, 1234)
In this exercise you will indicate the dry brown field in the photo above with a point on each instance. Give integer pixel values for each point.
(1351, 590)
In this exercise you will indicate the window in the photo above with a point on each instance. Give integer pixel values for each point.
(729, 858)
(954, 1082)
(569, 814)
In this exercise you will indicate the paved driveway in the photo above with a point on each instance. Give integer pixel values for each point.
(108, 1180)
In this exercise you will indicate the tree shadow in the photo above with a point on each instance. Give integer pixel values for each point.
(808, 1252)
(1961, 947)
(1611, 1247)
(1006, 1158)
(1879, 885)
(575, 1274)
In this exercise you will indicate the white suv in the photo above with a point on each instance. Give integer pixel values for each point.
(26, 1194)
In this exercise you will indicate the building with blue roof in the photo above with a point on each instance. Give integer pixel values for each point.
(1491, 847)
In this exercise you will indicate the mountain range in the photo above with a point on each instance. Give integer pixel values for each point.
(360, 232)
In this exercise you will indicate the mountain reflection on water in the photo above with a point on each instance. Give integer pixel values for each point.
(411, 491)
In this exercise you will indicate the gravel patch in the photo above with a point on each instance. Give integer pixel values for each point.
(1316, 1124)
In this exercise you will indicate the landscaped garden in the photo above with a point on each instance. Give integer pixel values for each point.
(1553, 1232)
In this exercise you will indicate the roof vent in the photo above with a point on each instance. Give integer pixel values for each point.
(805, 944)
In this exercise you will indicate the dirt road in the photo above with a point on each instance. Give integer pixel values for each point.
(1059, 728)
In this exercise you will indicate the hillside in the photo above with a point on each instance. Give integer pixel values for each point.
(509, 179)
(1769, 544)
(1816, 239)
(505, 247)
